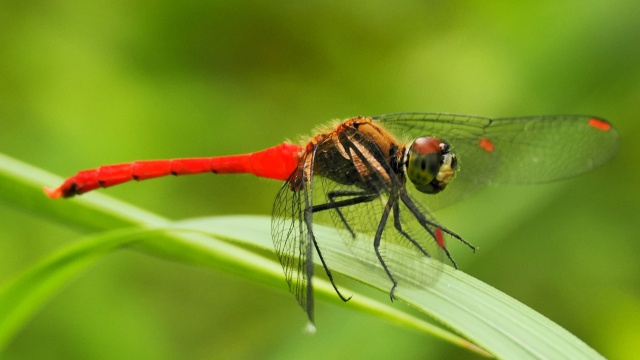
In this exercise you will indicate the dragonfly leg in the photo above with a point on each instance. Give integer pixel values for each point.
(360, 197)
(363, 197)
(376, 245)
(333, 195)
(308, 212)
(426, 223)
(309, 223)
(398, 226)
(348, 202)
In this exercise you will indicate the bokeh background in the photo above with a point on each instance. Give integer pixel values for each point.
(90, 83)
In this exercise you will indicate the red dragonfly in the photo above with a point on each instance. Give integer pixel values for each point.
(362, 166)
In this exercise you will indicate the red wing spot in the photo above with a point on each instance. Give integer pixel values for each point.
(439, 237)
(599, 124)
(486, 144)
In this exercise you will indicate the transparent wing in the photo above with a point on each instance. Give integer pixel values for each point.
(516, 150)
(292, 239)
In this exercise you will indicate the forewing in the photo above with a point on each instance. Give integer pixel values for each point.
(516, 150)
(547, 148)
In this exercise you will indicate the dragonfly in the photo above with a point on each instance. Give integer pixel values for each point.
(373, 175)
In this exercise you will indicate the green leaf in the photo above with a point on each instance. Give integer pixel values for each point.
(242, 245)
(489, 318)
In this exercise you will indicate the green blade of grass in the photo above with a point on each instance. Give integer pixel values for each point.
(491, 319)
(26, 294)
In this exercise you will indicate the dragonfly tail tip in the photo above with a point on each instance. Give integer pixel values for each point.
(53, 193)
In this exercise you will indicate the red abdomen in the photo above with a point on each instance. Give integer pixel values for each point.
(277, 162)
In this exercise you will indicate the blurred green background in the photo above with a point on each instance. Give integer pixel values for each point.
(90, 83)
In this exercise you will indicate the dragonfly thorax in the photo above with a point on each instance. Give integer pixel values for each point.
(429, 164)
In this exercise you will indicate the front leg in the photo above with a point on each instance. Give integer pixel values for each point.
(358, 197)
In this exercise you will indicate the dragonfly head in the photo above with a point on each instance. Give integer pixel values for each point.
(429, 164)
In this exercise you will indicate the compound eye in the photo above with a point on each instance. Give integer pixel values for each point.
(430, 164)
